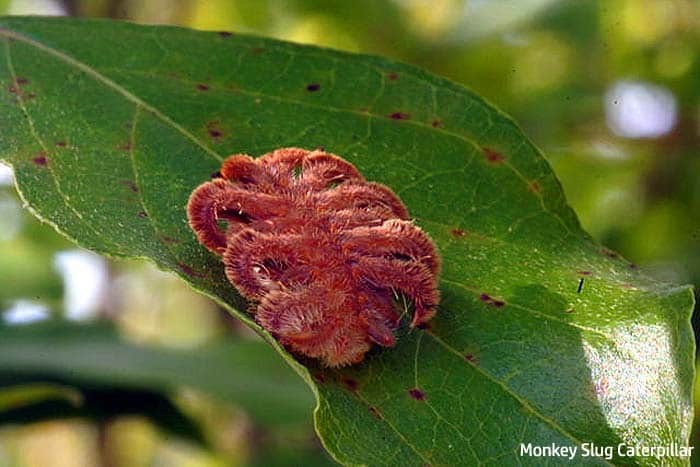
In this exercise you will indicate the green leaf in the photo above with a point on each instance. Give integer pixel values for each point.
(110, 126)
(246, 373)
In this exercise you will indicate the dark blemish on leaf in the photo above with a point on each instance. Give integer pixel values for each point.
(21, 81)
(257, 50)
(364, 110)
(534, 186)
(399, 116)
(580, 286)
(417, 394)
(202, 87)
(130, 185)
(437, 123)
(609, 253)
(492, 156)
(470, 358)
(29, 96)
(375, 411)
(225, 34)
(633, 266)
(216, 174)
(313, 87)
(186, 269)
(13, 89)
(60, 144)
(584, 273)
(142, 214)
(214, 130)
(350, 384)
(125, 146)
(486, 298)
(170, 240)
(40, 159)
(458, 232)
(393, 76)
(320, 377)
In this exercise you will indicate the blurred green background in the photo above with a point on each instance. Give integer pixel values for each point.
(608, 89)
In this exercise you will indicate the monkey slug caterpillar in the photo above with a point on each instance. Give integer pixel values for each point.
(318, 249)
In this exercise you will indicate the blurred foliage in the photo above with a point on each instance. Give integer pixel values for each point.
(548, 63)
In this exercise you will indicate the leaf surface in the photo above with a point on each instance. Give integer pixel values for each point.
(110, 126)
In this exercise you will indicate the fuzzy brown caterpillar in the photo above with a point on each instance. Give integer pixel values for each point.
(318, 249)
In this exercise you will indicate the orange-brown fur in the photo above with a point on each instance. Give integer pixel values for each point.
(320, 250)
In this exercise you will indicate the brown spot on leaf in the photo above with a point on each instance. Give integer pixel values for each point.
(170, 240)
(125, 146)
(492, 156)
(393, 76)
(417, 394)
(186, 269)
(375, 411)
(458, 232)
(486, 298)
(609, 253)
(313, 87)
(399, 116)
(41, 159)
(633, 266)
(130, 185)
(60, 144)
(470, 357)
(214, 130)
(437, 123)
(142, 214)
(584, 273)
(257, 50)
(225, 34)
(534, 186)
(21, 81)
(350, 384)
(202, 87)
